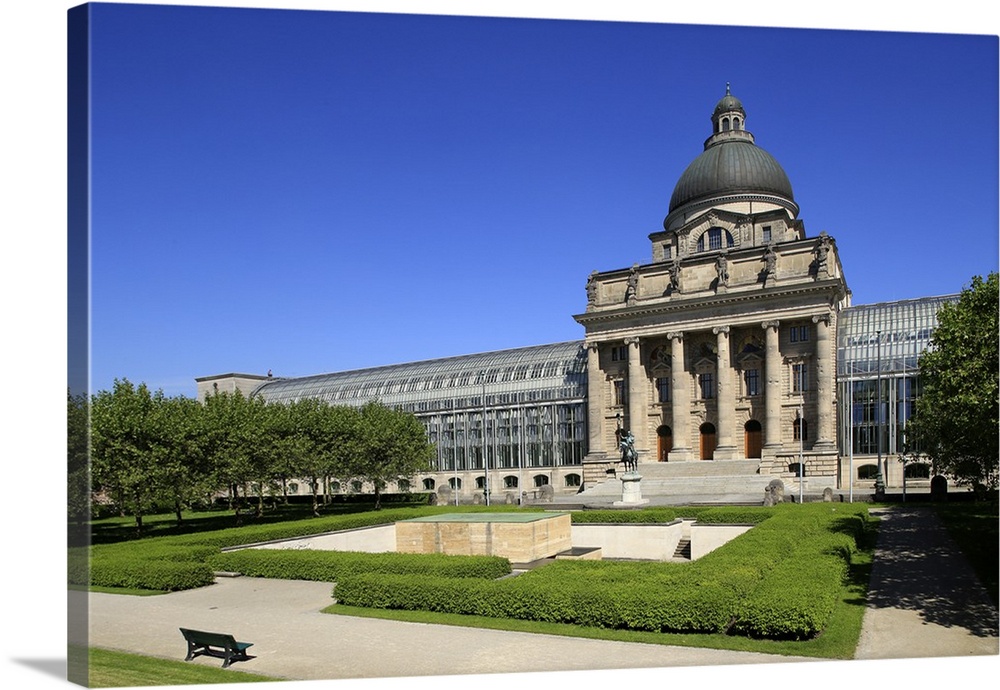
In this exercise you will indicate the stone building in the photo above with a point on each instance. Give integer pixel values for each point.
(737, 341)
(722, 346)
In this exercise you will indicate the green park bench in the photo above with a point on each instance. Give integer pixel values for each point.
(215, 644)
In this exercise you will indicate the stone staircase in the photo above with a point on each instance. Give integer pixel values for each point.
(697, 481)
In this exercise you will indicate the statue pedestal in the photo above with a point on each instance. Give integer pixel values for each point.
(631, 491)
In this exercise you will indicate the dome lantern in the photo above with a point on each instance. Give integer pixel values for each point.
(732, 169)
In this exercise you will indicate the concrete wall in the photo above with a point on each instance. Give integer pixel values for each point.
(707, 538)
(379, 539)
(655, 542)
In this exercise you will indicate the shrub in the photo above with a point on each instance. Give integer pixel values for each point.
(331, 566)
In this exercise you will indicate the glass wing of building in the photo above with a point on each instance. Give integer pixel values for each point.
(878, 351)
(524, 408)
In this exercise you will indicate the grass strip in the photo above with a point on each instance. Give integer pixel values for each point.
(113, 669)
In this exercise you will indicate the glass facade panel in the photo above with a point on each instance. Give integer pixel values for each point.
(533, 400)
(878, 350)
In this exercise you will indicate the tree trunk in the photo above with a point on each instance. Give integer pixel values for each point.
(177, 512)
(315, 493)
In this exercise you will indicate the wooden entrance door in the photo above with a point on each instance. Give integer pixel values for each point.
(664, 443)
(707, 441)
(752, 439)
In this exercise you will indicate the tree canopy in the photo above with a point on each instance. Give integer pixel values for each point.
(956, 420)
(148, 450)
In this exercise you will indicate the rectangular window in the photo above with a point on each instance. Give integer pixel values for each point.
(619, 353)
(663, 389)
(799, 378)
(767, 233)
(621, 393)
(751, 380)
(666, 251)
(798, 334)
(707, 384)
(714, 238)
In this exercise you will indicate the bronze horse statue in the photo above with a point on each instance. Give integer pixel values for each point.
(626, 444)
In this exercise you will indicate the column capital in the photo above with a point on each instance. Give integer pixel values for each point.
(822, 318)
(770, 324)
(632, 340)
(675, 335)
(591, 345)
(721, 329)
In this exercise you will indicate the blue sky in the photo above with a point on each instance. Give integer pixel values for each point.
(308, 191)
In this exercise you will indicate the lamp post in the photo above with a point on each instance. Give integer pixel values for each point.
(486, 462)
(802, 467)
(880, 477)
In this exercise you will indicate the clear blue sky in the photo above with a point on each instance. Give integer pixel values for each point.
(309, 191)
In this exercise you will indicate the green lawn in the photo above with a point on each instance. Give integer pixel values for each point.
(110, 669)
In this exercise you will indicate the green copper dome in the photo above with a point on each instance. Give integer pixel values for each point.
(732, 164)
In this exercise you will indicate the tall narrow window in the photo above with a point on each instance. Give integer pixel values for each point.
(621, 392)
(707, 384)
(663, 389)
(799, 377)
(751, 382)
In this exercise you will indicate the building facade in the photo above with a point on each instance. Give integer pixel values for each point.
(722, 347)
(736, 341)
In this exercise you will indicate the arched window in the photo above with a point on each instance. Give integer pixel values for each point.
(867, 471)
(429, 484)
(714, 239)
(541, 480)
(725, 124)
(356, 486)
(797, 469)
(293, 488)
(480, 483)
(403, 485)
(455, 483)
(572, 480)
(510, 481)
(335, 487)
(917, 470)
(800, 429)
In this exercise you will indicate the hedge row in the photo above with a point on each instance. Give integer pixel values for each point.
(331, 566)
(179, 562)
(779, 580)
(731, 515)
(605, 605)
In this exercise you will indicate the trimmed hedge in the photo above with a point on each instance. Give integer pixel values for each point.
(780, 580)
(331, 566)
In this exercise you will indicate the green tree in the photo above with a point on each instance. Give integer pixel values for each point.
(240, 446)
(124, 437)
(956, 419)
(180, 454)
(78, 457)
(391, 446)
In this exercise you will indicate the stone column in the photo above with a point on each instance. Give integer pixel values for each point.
(772, 387)
(595, 401)
(637, 397)
(726, 400)
(680, 400)
(824, 383)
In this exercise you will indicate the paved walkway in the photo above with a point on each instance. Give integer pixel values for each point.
(925, 602)
(924, 599)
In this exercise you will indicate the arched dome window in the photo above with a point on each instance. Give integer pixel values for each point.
(713, 238)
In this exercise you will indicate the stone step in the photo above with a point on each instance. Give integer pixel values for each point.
(699, 468)
(752, 485)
